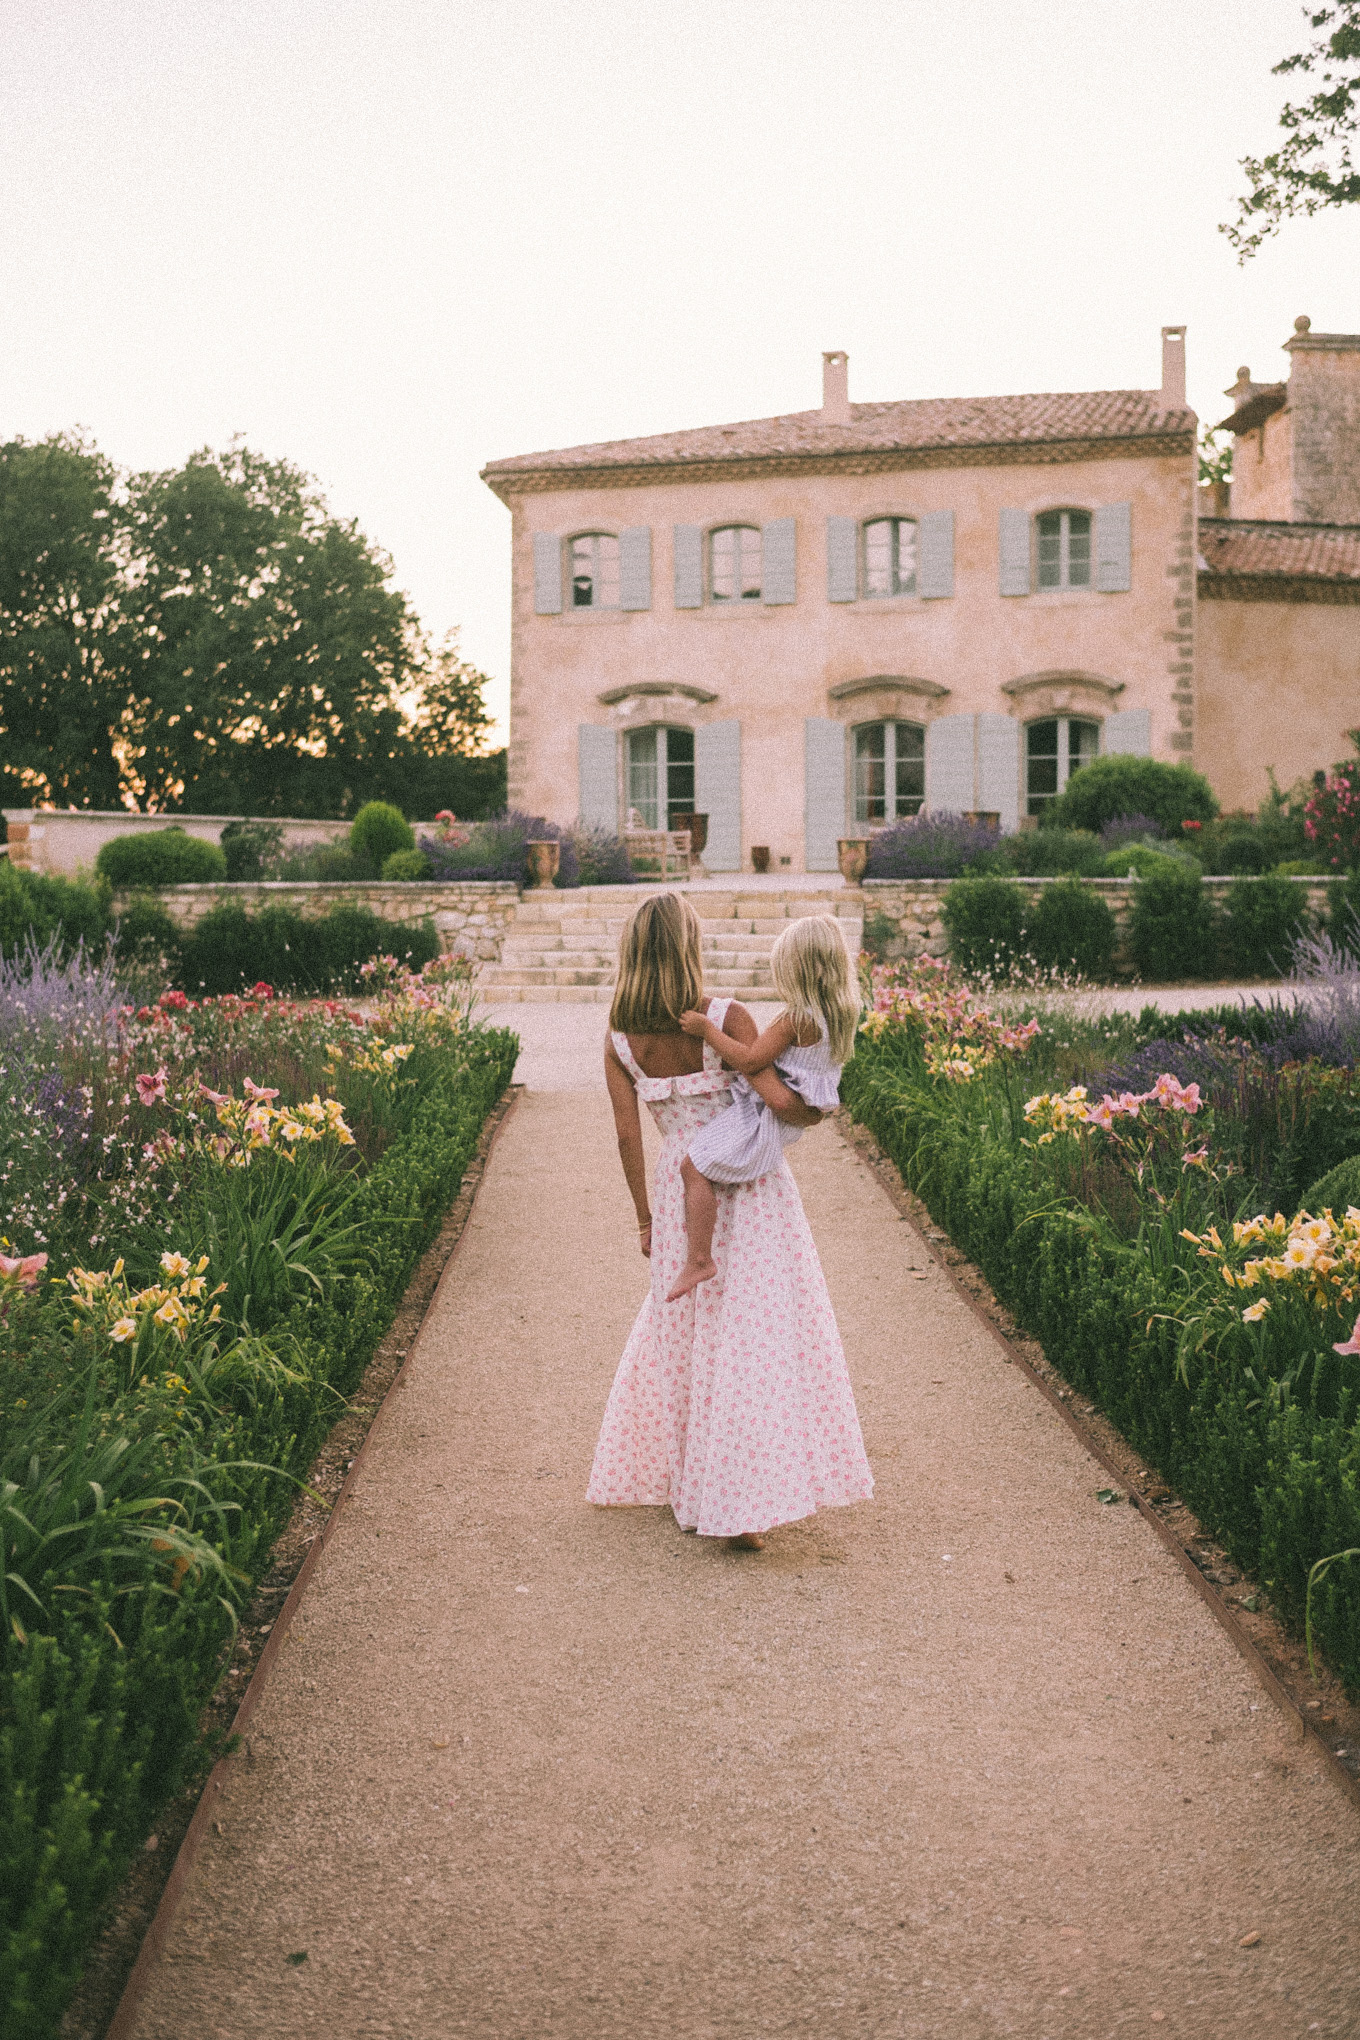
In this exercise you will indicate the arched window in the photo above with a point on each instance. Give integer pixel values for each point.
(890, 556)
(1054, 749)
(1064, 548)
(890, 771)
(735, 563)
(593, 558)
(661, 774)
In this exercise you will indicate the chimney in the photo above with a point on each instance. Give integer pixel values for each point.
(1173, 368)
(1324, 415)
(836, 388)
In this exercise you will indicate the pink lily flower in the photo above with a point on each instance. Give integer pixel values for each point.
(24, 1269)
(257, 1091)
(1352, 1345)
(151, 1089)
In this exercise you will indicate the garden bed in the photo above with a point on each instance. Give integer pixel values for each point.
(139, 1143)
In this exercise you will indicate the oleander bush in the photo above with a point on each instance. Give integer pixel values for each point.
(214, 1208)
(160, 857)
(1133, 1232)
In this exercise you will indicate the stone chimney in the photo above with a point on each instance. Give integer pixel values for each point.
(836, 388)
(1173, 368)
(1324, 410)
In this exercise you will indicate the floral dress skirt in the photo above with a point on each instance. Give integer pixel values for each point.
(732, 1404)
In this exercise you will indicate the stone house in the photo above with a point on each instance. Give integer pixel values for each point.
(806, 626)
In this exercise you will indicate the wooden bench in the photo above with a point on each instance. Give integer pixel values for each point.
(663, 851)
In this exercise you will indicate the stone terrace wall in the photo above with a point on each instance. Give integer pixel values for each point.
(915, 907)
(470, 919)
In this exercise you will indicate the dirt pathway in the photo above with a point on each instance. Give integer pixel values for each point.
(969, 1760)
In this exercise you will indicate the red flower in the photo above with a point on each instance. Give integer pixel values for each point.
(1191, 826)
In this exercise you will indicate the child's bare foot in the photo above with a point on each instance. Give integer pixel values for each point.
(749, 1540)
(691, 1275)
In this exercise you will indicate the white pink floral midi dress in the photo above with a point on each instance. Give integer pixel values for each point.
(733, 1404)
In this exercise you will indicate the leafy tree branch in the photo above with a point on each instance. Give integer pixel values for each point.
(1313, 168)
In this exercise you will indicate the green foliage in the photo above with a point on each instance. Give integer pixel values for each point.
(34, 904)
(1262, 920)
(1070, 927)
(1125, 785)
(1053, 853)
(1344, 916)
(252, 849)
(1171, 929)
(160, 857)
(1337, 1190)
(379, 829)
(985, 919)
(230, 948)
(406, 864)
(1144, 862)
(1313, 167)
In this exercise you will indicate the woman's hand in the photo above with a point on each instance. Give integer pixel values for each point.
(645, 1239)
(696, 1024)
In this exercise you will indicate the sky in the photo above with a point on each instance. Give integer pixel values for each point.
(390, 240)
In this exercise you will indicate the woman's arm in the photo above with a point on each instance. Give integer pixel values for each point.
(767, 1084)
(628, 1126)
(745, 1057)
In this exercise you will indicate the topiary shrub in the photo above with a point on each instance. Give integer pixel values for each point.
(1053, 853)
(1262, 920)
(1337, 1190)
(406, 865)
(1171, 931)
(1123, 785)
(1072, 928)
(230, 948)
(1144, 860)
(985, 919)
(378, 829)
(160, 857)
(34, 905)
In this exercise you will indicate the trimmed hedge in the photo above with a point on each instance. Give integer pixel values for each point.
(1171, 929)
(1072, 928)
(160, 857)
(1279, 1486)
(32, 905)
(95, 1733)
(230, 948)
(1262, 920)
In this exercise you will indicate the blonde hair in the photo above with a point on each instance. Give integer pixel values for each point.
(814, 976)
(661, 975)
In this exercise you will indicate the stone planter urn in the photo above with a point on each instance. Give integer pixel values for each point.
(853, 855)
(543, 857)
(760, 857)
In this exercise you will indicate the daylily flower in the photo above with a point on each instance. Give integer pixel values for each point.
(1254, 1312)
(22, 1270)
(257, 1091)
(175, 1265)
(151, 1089)
(1351, 1345)
(125, 1329)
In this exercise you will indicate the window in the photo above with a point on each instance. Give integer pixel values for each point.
(890, 771)
(1054, 750)
(890, 556)
(1064, 549)
(594, 560)
(734, 563)
(661, 775)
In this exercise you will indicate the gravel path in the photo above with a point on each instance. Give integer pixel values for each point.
(970, 1760)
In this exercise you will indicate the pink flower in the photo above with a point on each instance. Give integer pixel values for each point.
(217, 1097)
(1102, 1114)
(151, 1089)
(262, 991)
(1352, 1344)
(1189, 1100)
(22, 1270)
(256, 1090)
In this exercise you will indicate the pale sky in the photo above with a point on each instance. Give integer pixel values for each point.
(393, 239)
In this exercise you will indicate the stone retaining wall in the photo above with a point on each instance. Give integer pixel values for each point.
(469, 919)
(915, 908)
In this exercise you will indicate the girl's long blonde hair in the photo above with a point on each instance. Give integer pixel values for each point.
(815, 977)
(661, 975)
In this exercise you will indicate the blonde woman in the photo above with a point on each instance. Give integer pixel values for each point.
(808, 1045)
(731, 1404)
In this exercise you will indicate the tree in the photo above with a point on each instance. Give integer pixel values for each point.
(66, 640)
(1314, 168)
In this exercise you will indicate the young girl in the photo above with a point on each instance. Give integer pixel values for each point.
(807, 1046)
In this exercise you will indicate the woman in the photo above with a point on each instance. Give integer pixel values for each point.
(733, 1403)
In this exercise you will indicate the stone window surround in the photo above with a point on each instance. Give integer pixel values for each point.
(594, 607)
(1056, 598)
(908, 596)
(730, 605)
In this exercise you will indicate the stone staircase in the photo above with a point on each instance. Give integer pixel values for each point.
(561, 947)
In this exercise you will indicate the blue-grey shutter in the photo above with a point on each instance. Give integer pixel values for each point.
(779, 561)
(717, 791)
(547, 574)
(949, 765)
(935, 554)
(842, 559)
(597, 777)
(1129, 731)
(635, 567)
(998, 768)
(689, 567)
(1015, 568)
(1114, 546)
(823, 792)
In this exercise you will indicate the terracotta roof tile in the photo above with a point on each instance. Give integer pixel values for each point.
(877, 428)
(1322, 552)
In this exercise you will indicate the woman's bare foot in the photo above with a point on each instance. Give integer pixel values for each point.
(691, 1275)
(749, 1540)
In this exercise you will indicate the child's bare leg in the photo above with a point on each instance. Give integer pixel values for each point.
(701, 1215)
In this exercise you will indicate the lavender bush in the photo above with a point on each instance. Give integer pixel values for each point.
(1122, 829)
(933, 846)
(497, 849)
(46, 996)
(1326, 983)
